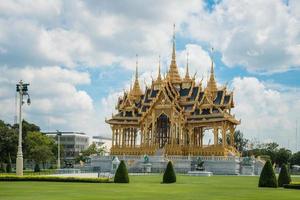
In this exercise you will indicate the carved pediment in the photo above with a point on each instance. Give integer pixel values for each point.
(162, 100)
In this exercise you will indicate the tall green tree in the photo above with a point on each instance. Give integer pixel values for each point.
(26, 128)
(8, 142)
(39, 147)
(295, 158)
(268, 150)
(283, 156)
(91, 150)
(240, 142)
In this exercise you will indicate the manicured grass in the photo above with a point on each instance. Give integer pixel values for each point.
(149, 187)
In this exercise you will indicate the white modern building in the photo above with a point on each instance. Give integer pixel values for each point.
(72, 142)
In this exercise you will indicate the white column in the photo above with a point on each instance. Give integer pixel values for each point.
(19, 162)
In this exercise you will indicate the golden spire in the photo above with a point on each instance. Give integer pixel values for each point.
(174, 48)
(136, 67)
(187, 75)
(136, 90)
(159, 75)
(173, 71)
(211, 84)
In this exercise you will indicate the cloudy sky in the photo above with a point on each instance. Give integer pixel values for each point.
(79, 56)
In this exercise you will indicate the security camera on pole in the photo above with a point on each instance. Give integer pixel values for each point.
(22, 89)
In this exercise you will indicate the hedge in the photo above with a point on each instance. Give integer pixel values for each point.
(53, 179)
(292, 186)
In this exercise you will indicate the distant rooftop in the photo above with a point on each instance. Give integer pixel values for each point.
(65, 133)
(101, 137)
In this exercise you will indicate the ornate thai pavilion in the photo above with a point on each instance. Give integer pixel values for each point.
(173, 115)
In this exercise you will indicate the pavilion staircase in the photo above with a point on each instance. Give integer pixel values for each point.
(160, 152)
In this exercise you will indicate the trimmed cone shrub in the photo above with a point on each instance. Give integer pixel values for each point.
(37, 168)
(8, 167)
(121, 175)
(169, 175)
(267, 177)
(2, 168)
(284, 176)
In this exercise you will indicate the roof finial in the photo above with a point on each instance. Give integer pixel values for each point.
(173, 74)
(211, 84)
(136, 89)
(159, 75)
(136, 67)
(130, 89)
(187, 75)
(212, 61)
(174, 48)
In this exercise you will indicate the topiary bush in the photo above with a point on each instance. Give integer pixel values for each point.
(284, 176)
(37, 168)
(8, 167)
(169, 175)
(121, 175)
(267, 177)
(2, 168)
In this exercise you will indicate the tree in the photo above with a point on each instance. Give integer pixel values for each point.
(169, 175)
(26, 128)
(284, 176)
(267, 177)
(295, 158)
(91, 150)
(121, 175)
(267, 150)
(282, 156)
(240, 142)
(8, 142)
(39, 147)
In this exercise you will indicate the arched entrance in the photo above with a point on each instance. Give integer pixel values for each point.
(162, 130)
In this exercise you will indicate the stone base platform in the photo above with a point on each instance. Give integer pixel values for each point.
(217, 165)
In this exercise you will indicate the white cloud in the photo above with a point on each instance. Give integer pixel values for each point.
(63, 46)
(35, 9)
(266, 113)
(56, 102)
(87, 33)
(199, 61)
(262, 36)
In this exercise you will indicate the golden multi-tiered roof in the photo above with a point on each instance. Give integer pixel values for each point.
(173, 115)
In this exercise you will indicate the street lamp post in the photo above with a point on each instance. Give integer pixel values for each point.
(58, 148)
(22, 89)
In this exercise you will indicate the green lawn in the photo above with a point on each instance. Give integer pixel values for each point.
(149, 187)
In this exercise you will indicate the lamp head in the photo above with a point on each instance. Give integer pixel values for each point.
(28, 101)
